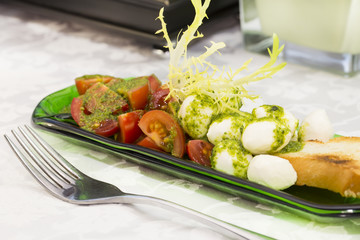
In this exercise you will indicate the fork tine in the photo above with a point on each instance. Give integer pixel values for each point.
(30, 167)
(42, 165)
(61, 171)
(67, 167)
(41, 160)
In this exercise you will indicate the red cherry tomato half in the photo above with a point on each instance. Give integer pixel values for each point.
(138, 96)
(107, 128)
(157, 99)
(129, 128)
(100, 97)
(164, 130)
(75, 109)
(154, 83)
(199, 151)
(149, 143)
(85, 82)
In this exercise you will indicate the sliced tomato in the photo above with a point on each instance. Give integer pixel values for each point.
(102, 98)
(136, 90)
(164, 130)
(96, 110)
(154, 83)
(157, 99)
(129, 128)
(138, 96)
(199, 151)
(75, 109)
(149, 143)
(107, 128)
(85, 82)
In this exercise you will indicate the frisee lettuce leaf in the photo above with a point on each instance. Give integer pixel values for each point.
(189, 75)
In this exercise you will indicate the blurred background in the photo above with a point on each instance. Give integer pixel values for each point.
(135, 19)
(323, 34)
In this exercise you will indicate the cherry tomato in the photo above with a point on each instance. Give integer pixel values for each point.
(101, 98)
(107, 128)
(129, 128)
(75, 109)
(96, 110)
(85, 82)
(154, 83)
(149, 143)
(199, 151)
(138, 96)
(157, 99)
(164, 130)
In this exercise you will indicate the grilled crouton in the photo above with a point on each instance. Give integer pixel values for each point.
(334, 165)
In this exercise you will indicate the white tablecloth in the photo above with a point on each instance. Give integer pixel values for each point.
(39, 56)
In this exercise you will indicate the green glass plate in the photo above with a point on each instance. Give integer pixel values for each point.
(53, 113)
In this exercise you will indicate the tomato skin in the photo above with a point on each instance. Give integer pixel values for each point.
(85, 82)
(129, 128)
(138, 96)
(149, 143)
(164, 130)
(107, 128)
(199, 151)
(75, 109)
(100, 97)
(157, 99)
(154, 83)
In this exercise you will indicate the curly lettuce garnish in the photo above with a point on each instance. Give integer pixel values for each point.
(188, 75)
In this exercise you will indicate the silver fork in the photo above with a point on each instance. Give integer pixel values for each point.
(69, 184)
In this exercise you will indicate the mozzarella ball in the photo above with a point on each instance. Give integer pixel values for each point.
(230, 157)
(316, 126)
(272, 171)
(226, 126)
(265, 135)
(195, 115)
(278, 112)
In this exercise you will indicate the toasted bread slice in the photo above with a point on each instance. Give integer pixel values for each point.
(334, 165)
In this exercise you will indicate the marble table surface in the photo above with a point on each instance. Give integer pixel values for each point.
(40, 55)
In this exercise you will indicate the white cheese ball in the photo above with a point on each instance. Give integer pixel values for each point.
(265, 135)
(272, 171)
(195, 115)
(316, 126)
(226, 126)
(278, 112)
(230, 157)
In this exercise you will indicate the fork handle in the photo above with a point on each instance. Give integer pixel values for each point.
(234, 231)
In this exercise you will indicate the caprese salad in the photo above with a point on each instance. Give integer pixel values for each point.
(196, 113)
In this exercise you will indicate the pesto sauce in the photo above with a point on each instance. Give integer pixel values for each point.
(282, 125)
(280, 133)
(92, 76)
(301, 132)
(238, 154)
(174, 109)
(278, 113)
(105, 105)
(237, 121)
(195, 122)
(274, 111)
(124, 86)
(171, 136)
(92, 121)
(103, 99)
(293, 146)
